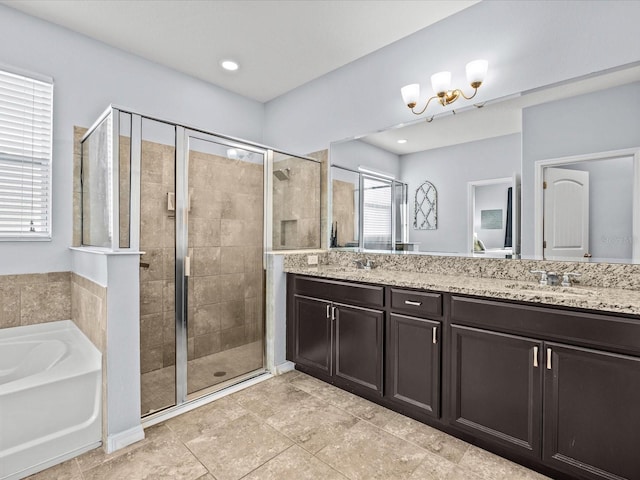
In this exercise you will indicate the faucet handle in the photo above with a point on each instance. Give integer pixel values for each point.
(566, 278)
(543, 276)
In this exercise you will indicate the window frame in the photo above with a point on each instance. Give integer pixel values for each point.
(47, 235)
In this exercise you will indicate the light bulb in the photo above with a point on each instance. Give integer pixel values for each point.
(410, 94)
(440, 82)
(476, 72)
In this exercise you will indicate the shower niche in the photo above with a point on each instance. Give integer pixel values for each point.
(203, 210)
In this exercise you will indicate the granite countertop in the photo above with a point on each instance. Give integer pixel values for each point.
(593, 298)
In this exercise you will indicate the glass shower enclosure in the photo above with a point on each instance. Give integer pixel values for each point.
(201, 208)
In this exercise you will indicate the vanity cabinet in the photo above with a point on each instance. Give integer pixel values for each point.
(574, 407)
(336, 340)
(556, 389)
(413, 351)
(496, 387)
(591, 412)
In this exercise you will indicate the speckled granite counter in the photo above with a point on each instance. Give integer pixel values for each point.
(617, 300)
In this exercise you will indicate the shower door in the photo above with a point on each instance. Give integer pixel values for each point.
(220, 205)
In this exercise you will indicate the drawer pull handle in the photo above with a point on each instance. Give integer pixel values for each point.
(328, 310)
(411, 302)
(548, 359)
(535, 357)
(434, 337)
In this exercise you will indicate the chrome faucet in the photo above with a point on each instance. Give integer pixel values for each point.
(365, 264)
(566, 278)
(553, 278)
(543, 276)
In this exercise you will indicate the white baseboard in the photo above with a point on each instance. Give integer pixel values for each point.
(124, 439)
(284, 368)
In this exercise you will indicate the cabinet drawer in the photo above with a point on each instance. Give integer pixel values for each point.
(343, 292)
(416, 303)
(606, 332)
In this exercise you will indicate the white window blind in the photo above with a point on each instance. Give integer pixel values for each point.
(25, 157)
(377, 210)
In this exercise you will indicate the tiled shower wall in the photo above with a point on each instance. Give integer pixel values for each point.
(296, 205)
(225, 240)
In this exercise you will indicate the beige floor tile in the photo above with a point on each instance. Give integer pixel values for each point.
(488, 466)
(203, 420)
(164, 457)
(369, 411)
(367, 453)
(312, 424)
(238, 447)
(206, 477)
(68, 470)
(435, 467)
(295, 464)
(427, 437)
(268, 398)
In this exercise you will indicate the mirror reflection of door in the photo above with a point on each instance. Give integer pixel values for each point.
(566, 213)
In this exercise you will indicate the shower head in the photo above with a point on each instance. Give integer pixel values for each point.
(282, 174)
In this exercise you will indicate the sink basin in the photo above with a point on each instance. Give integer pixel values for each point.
(548, 290)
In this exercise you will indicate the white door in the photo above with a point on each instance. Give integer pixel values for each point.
(566, 213)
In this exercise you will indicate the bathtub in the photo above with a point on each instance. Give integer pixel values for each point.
(50, 397)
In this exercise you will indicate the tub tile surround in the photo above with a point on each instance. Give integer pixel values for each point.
(607, 287)
(320, 432)
(27, 299)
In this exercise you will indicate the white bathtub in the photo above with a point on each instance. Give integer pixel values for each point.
(50, 396)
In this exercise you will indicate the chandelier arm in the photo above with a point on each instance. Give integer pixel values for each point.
(425, 107)
(475, 90)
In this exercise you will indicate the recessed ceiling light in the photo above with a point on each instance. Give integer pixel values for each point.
(229, 65)
(402, 140)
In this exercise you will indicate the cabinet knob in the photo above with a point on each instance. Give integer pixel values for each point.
(434, 337)
(535, 357)
(548, 359)
(328, 310)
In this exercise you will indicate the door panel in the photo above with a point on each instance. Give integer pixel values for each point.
(359, 333)
(497, 387)
(592, 419)
(223, 203)
(314, 334)
(413, 363)
(566, 213)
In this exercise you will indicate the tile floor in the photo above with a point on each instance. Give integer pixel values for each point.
(158, 386)
(292, 427)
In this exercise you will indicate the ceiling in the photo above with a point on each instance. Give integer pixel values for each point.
(279, 45)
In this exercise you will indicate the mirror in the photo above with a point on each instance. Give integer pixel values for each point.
(506, 139)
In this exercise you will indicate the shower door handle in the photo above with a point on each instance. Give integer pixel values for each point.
(187, 266)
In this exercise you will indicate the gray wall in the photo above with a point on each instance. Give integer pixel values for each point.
(610, 207)
(355, 153)
(571, 39)
(450, 169)
(88, 76)
(595, 122)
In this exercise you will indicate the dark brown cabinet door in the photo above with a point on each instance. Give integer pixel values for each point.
(592, 413)
(496, 387)
(313, 334)
(359, 333)
(413, 363)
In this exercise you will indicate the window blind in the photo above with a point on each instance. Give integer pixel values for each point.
(25, 156)
(377, 210)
